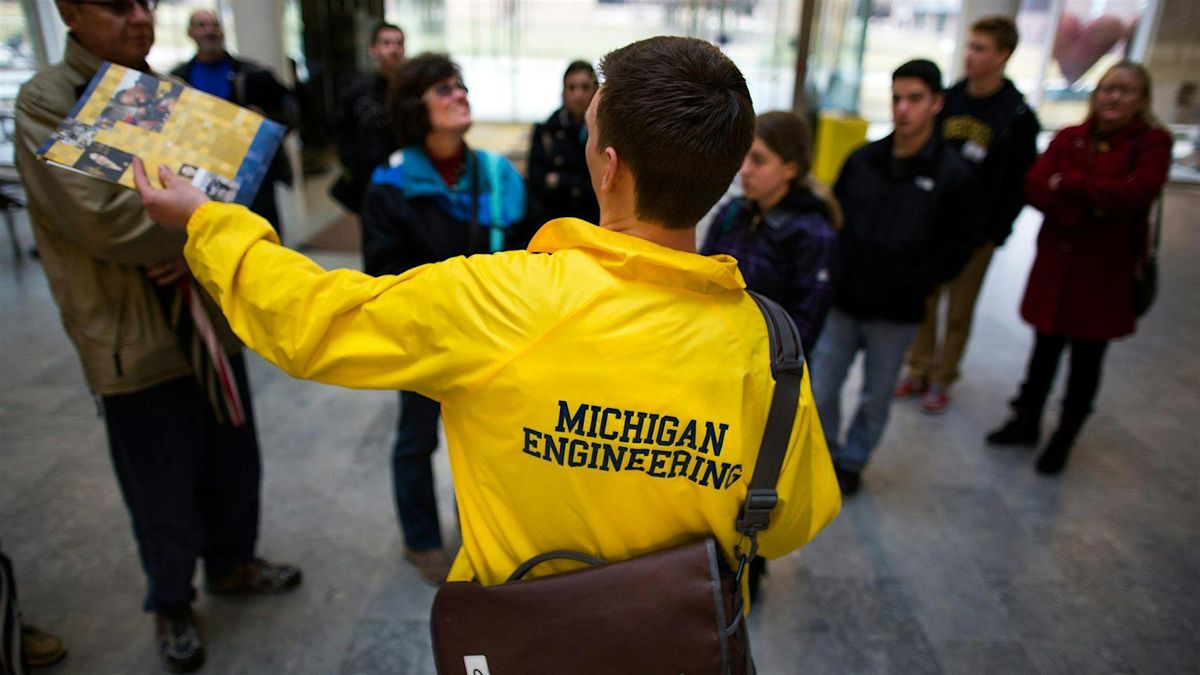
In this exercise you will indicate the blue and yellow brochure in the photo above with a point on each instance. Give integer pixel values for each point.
(223, 149)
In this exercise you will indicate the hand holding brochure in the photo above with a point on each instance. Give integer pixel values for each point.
(221, 148)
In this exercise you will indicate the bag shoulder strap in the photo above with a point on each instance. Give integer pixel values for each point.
(787, 367)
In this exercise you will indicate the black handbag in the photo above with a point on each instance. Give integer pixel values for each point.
(676, 610)
(1145, 275)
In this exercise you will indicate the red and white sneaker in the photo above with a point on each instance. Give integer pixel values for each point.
(936, 400)
(908, 385)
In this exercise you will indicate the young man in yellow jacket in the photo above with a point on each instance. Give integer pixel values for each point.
(604, 391)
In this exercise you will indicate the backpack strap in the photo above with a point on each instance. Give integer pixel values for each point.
(787, 367)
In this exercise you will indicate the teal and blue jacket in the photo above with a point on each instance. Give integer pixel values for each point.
(411, 217)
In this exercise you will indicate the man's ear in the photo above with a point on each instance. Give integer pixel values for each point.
(939, 100)
(608, 179)
(69, 11)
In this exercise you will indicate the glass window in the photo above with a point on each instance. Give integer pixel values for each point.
(17, 62)
(513, 52)
(1078, 45)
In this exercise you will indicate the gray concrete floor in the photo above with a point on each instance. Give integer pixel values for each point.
(956, 557)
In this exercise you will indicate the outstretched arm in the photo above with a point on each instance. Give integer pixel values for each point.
(435, 329)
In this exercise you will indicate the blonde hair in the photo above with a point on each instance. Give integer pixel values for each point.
(1143, 76)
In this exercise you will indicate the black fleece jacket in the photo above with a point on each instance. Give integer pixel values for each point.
(909, 225)
(997, 135)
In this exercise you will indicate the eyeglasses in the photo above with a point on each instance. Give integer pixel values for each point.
(447, 89)
(1118, 90)
(120, 7)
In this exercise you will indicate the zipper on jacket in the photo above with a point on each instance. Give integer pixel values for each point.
(117, 336)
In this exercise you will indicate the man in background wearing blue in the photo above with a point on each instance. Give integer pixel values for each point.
(215, 71)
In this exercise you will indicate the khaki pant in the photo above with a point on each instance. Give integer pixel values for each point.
(925, 361)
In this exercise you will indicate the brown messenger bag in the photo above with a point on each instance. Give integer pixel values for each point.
(671, 611)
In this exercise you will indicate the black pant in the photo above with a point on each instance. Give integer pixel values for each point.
(412, 471)
(11, 658)
(1083, 379)
(191, 484)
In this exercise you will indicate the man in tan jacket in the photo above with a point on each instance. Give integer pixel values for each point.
(188, 472)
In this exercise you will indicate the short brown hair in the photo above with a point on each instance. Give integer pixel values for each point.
(1001, 28)
(405, 101)
(679, 113)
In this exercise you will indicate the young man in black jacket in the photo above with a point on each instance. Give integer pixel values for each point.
(987, 122)
(907, 201)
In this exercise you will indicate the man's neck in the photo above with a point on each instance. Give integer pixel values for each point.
(985, 86)
(210, 56)
(142, 66)
(680, 239)
(904, 147)
(444, 144)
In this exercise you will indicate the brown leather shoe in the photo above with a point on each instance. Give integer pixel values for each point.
(41, 648)
(180, 646)
(433, 564)
(257, 576)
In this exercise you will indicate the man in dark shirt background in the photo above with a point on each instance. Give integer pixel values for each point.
(215, 71)
(987, 122)
(907, 200)
(360, 128)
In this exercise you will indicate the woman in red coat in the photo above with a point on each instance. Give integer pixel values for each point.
(1095, 184)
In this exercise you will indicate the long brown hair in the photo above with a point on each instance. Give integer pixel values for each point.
(787, 135)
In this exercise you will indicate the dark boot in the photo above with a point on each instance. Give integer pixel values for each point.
(1054, 458)
(1018, 430)
(1023, 428)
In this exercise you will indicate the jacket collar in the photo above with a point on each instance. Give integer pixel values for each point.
(923, 161)
(634, 258)
(1136, 127)
(410, 170)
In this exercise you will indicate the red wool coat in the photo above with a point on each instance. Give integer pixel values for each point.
(1094, 233)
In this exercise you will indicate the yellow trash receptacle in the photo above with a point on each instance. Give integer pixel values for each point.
(838, 135)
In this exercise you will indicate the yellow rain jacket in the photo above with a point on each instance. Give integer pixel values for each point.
(607, 398)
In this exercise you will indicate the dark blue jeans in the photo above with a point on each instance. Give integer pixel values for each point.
(191, 484)
(412, 471)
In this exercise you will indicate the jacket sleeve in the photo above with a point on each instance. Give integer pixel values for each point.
(387, 221)
(810, 290)
(278, 102)
(1131, 192)
(102, 218)
(1056, 208)
(1020, 155)
(537, 164)
(437, 329)
(343, 130)
(514, 210)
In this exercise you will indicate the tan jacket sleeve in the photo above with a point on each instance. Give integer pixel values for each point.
(104, 219)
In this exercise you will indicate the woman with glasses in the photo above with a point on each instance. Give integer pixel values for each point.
(559, 182)
(433, 199)
(1095, 184)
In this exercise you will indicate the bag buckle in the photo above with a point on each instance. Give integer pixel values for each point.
(744, 558)
(756, 513)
